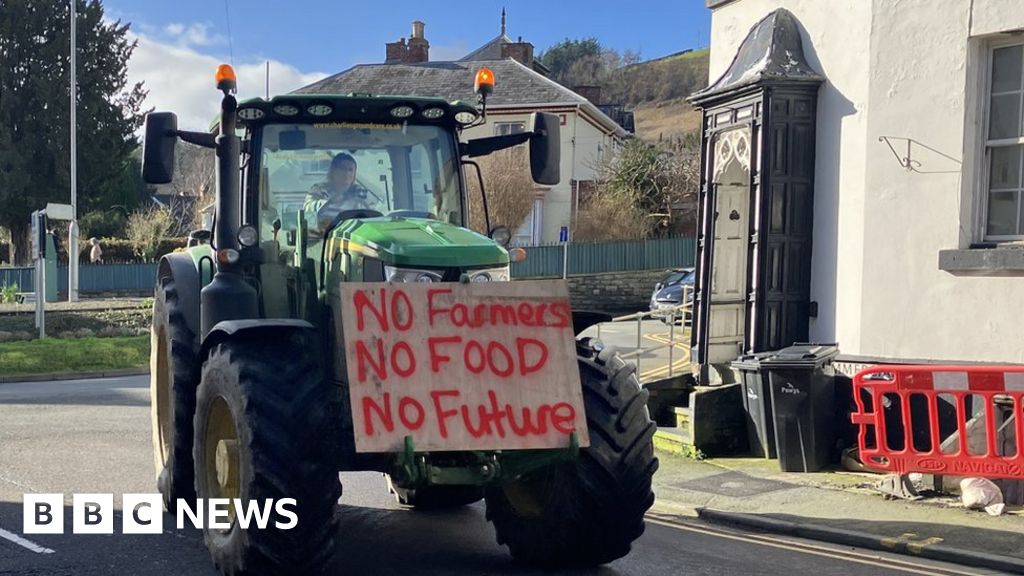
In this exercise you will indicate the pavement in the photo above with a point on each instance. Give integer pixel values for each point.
(84, 304)
(838, 507)
(94, 436)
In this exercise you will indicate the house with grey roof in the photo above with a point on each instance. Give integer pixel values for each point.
(521, 88)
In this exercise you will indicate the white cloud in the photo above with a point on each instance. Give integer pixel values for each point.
(195, 34)
(180, 79)
(199, 35)
(174, 29)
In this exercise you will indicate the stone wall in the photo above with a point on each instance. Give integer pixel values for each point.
(614, 291)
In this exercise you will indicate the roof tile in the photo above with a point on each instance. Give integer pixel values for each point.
(515, 84)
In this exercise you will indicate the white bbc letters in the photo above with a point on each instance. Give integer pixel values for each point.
(92, 514)
(142, 514)
(43, 514)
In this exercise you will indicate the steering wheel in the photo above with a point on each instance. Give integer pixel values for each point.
(349, 215)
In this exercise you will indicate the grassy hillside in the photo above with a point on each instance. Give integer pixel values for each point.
(656, 90)
(668, 120)
(658, 80)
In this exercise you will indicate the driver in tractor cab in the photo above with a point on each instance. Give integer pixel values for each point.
(341, 192)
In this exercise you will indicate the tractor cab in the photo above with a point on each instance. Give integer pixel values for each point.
(372, 200)
(291, 222)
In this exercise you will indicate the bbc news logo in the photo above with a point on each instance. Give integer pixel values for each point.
(143, 514)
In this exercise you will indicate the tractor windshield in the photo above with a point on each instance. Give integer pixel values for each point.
(321, 169)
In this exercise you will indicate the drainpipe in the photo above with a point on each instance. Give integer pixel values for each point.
(572, 178)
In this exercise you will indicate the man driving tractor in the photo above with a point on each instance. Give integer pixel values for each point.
(339, 193)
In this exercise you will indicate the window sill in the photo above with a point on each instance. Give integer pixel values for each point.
(984, 260)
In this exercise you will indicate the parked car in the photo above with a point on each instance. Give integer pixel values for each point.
(669, 292)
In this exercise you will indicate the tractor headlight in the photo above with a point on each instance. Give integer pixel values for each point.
(490, 275)
(394, 274)
(247, 236)
(432, 113)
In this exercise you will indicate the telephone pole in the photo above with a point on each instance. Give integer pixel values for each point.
(73, 227)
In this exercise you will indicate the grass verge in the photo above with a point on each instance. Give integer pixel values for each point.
(52, 355)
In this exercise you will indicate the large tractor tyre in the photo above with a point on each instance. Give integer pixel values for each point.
(589, 511)
(172, 385)
(436, 497)
(267, 428)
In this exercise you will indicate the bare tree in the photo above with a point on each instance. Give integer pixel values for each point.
(510, 189)
(5, 242)
(147, 227)
(195, 176)
(645, 191)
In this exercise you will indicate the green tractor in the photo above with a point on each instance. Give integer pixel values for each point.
(250, 388)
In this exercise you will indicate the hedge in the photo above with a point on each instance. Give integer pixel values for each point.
(118, 250)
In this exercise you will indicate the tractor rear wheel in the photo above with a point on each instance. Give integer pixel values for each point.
(589, 511)
(435, 497)
(267, 428)
(172, 396)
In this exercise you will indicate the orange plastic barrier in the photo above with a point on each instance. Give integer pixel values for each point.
(900, 429)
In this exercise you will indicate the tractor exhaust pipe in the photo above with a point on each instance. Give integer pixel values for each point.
(228, 296)
(228, 193)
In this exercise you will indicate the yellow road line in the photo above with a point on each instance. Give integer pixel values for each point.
(676, 366)
(812, 549)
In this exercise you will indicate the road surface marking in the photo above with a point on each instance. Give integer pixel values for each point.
(920, 545)
(664, 370)
(24, 543)
(858, 558)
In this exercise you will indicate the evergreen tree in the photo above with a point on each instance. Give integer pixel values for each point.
(35, 112)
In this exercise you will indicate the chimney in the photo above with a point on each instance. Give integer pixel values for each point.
(592, 93)
(396, 52)
(419, 48)
(519, 51)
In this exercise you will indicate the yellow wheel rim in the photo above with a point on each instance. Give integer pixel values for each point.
(526, 494)
(162, 374)
(221, 455)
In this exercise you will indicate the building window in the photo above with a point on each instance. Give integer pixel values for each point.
(316, 165)
(1004, 201)
(505, 128)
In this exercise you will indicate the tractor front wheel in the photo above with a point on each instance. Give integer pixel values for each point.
(267, 429)
(172, 395)
(589, 511)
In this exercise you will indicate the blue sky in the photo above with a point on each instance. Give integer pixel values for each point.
(180, 42)
(328, 36)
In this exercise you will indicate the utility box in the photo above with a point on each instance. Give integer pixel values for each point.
(757, 403)
(802, 383)
(51, 268)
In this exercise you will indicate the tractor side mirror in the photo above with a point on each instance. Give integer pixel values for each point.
(158, 149)
(545, 145)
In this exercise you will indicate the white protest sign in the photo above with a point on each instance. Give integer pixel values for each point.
(462, 366)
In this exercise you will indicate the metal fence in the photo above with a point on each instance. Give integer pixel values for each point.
(598, 257)
(541, 262)
(676, 341)
(91, 278)
(20, 277)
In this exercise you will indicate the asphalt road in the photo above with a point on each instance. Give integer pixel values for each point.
(93, 436)
(655, 337)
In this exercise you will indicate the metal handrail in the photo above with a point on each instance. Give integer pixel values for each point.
(671, 313)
